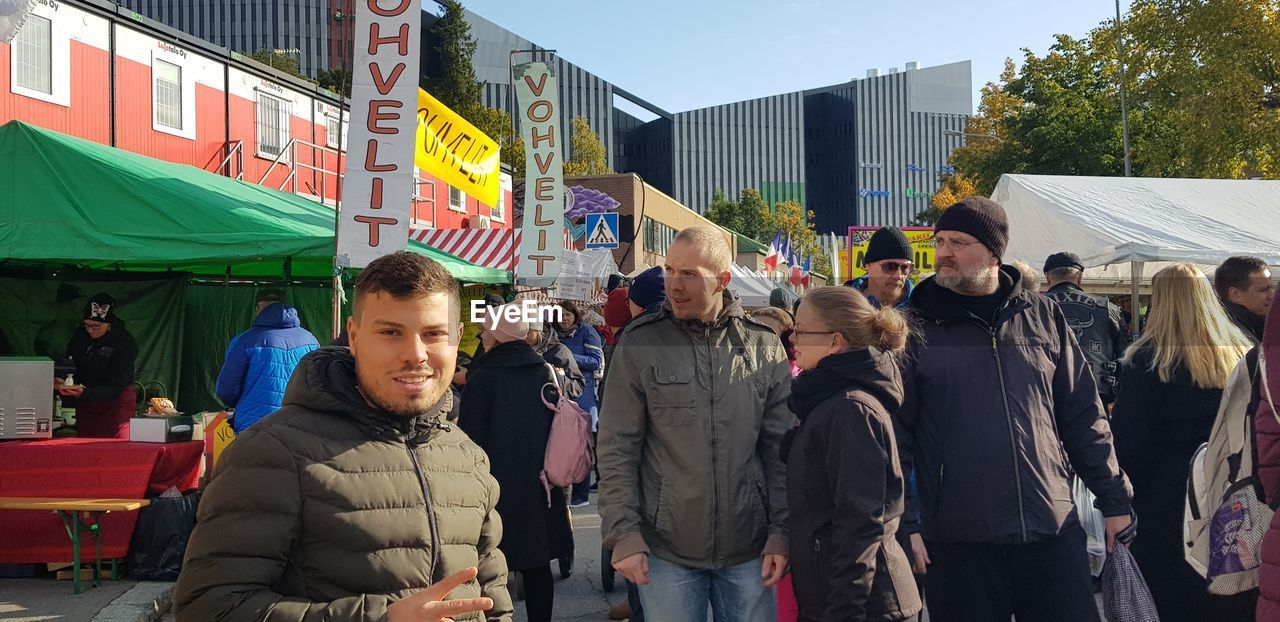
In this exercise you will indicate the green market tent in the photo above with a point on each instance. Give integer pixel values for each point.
(78, 217)
(73, 202)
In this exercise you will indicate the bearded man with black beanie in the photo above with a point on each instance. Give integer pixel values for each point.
(1000, 408)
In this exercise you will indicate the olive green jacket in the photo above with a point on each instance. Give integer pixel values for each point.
(331, 510)
(689, 440)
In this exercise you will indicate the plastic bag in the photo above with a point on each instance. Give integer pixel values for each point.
(1095, 526)
(160, 538)
(1125, 597)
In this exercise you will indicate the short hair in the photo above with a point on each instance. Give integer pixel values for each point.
(1235, 272)
(570, 306)
(773, 313)
(404, 275)
(1064, 273)
(270, 295)
(713, 243)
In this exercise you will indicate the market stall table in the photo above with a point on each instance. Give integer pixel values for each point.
(87, 469)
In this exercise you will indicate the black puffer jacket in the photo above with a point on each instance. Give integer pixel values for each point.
(845, 492)
(997, 417)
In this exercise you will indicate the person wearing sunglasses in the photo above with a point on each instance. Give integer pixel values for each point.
(890, 261)
(102, 389)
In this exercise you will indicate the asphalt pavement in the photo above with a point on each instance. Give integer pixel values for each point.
(580, 597)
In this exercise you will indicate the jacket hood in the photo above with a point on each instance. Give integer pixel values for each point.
(511, 354)
(325, 382)
(928, 298)
(870, 371)
(278, 315)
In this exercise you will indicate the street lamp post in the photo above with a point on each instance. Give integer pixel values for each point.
(1124, 103)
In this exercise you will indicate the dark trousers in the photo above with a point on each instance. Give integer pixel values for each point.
(1039, 582)
(539, 593)
(633, 598)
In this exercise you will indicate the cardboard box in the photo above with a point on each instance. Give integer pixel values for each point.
(161, 429)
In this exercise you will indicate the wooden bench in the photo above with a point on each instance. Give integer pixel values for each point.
(70, 511)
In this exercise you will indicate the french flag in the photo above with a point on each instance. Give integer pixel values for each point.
(808, 265)
(771, 259)
(797, 277)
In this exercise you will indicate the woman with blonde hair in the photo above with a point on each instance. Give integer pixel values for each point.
(1171, 382)
(844, 486)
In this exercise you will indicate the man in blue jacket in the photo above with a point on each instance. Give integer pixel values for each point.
(261, 360)
(890, 260)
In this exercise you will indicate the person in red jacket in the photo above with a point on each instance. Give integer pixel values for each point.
(1267, 426)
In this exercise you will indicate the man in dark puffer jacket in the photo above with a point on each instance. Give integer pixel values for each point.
(357, 501)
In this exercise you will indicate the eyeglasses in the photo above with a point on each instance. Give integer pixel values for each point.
(95, 325)
(893, 266)
(812, 332)
(955, 244)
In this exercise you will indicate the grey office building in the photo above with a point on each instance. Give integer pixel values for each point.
(250, 25)
(865, 152)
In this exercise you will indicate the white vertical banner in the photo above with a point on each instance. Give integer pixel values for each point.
(542, 231)
(377, 190)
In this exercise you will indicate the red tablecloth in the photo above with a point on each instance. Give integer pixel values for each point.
(85, 468)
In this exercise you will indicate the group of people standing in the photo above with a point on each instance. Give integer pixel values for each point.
(813, 464)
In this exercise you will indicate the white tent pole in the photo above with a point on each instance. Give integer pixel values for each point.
(1135, 275)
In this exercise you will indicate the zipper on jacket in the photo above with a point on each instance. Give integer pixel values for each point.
(431, 515)
(1013, 443)
(715, 473)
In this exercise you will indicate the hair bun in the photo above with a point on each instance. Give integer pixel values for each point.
(890, 330)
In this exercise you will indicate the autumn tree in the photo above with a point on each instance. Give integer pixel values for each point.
(587, 155)
(954, 189)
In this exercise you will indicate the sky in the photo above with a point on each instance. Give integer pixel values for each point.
(687, 54)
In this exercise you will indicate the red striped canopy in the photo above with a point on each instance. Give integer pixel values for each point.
(491, 248)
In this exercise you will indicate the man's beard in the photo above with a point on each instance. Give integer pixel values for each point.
(976, 284)
(408, 407)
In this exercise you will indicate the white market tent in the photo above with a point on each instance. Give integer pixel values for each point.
(1129, 227)
(752, 288)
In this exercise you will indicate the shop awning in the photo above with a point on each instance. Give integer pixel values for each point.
(69, 201)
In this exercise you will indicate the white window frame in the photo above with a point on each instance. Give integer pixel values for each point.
(186, 76)
(331, 131)
(59, 61)
(284, 133)
(461, 206)
(499, 211)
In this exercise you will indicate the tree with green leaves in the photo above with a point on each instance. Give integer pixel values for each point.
(587, 155)
(335, 80)
(447, 73)
(745, 216)
(280, 61)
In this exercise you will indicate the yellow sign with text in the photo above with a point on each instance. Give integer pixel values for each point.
(455, 152)
(921, 239)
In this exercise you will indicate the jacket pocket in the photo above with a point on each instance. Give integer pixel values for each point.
(673, 395)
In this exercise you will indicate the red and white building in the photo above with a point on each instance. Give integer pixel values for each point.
(95, 70)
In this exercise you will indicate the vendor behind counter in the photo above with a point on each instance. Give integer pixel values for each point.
(104, 354)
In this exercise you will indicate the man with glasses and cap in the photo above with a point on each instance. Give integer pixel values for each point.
(1098, 324)
(890, 260)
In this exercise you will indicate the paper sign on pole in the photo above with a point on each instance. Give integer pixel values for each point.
(377, 190)
(454, 151)
(538, 108)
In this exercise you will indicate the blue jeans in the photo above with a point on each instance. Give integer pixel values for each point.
(734, 594)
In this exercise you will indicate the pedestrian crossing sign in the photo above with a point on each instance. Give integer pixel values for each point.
(602, 230)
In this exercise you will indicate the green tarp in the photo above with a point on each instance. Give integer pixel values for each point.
(65, 201)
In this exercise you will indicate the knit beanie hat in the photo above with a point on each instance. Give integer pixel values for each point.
(889, 243)
(505, 330)
(981, 218)
(647, 289)
(616, 311)
(101, 308)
